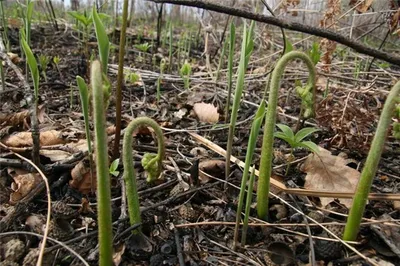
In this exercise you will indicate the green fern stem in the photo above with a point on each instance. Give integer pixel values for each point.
(371, 165)
(103, 179)
(268, 138)
(129, 171)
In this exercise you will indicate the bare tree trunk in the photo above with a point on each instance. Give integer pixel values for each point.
(131, 12)
(75, 5)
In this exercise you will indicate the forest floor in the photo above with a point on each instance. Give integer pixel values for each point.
(187, 214)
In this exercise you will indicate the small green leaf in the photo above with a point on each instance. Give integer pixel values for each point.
(80, 17)
(32, 66)
(102, 39)
(289, 46)
(304, 132)
(286, 130)
(309, 145)
(114, 167)
(315, 53)
(286, 138)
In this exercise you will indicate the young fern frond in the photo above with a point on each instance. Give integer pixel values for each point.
(268, 138)
(153, 164)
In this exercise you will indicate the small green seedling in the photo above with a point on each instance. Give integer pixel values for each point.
(185, 72)
(315, 53)
(143, 47)
(159, 80)
(56, 61)
(132, 77)
(296, 140)
(114, 168)
(44, 61)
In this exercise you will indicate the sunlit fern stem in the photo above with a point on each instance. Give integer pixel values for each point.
(268, 138)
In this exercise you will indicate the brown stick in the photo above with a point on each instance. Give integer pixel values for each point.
(324, 33)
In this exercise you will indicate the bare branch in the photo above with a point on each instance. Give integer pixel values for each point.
(324, 33)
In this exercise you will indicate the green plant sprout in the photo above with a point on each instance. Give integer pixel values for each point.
(315, 53)
(84, 94)
(102, 39)
(114, 168)
(132, 77)
(5, 29)
(247, 48)
(231, 54)
(255, 129)
(151, 163)
(396, 125)
(159, 80)
(268, 138)
(296, 140)
(371, 164)
(103, 179)
(143, 47)
(170, 46)
(221, 58)
(56, 61)
(31, 61)
(44, 61)
(185, 72)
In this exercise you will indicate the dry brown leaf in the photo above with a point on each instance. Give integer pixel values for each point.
(81, 179)
(363, 7)
(23, 183)
(206, 112)
(118, 252)
(215, 168)
(24, 139)
(55, 155)
(326, 172)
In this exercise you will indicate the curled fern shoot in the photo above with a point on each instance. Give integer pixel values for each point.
(151, 163)
(268, 138)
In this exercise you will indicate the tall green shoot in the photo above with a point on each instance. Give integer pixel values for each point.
(247, 48)
(268, 138)
(170, 46)
(232, 37)
(371, 165)
(255, 129)
(102, 167)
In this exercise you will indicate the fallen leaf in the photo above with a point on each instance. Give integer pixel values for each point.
(24, 139)
(81, 179)
(23, 183)
(326, 172)
(118, 252)
(214, 168)
(181, 113)
(55, 155)
(206, 112)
